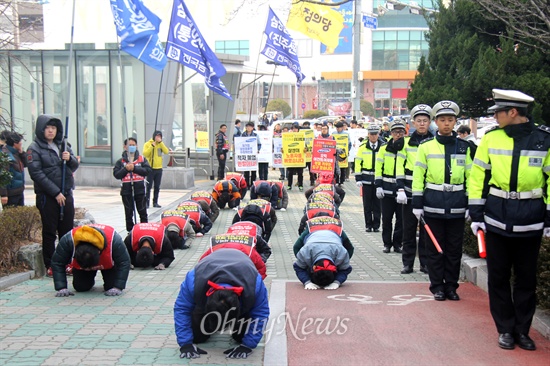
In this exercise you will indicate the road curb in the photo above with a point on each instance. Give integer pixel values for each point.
(15, 279)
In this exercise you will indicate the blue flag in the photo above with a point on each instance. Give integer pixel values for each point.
(280, 47)
(137, 27)
(187, 46)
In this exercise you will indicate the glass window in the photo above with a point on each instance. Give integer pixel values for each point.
(378, 35)
(377, 45)
(26, 78)
(130, 109)
(403, 45)
(304, 47)
(403, 35)
(94, 115)
(233, 47)
(391, 35)
(416, 36)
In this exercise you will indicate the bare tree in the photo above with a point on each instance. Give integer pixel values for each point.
(529, 20)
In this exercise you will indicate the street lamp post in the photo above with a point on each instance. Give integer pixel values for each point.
(355, 88)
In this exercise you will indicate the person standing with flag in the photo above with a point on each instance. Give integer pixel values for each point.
(132, 169)
(45, 158)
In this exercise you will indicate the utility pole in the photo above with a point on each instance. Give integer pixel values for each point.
(355, 89)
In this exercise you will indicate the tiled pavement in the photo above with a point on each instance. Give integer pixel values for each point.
(36, 328)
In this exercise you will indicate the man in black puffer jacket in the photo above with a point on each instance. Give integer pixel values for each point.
(45, 158)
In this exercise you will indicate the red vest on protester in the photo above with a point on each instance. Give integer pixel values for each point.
(313, 208)
(193, 210)
(106, 254)
(202, 196)
(151, 230)
(176, 217)
(325, 223)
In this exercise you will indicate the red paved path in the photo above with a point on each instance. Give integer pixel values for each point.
(381, 332)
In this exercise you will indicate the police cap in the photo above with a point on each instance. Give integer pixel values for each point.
(397, 125)
(374, 129)
(421, 109)
(506, 99)
(445, 108)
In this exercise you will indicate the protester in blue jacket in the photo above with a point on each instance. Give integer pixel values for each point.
(224, 288)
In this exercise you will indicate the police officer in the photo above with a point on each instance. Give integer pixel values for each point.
(365, 162)
(387, 160)
(438, 192)
(506, 197)
(421, 116)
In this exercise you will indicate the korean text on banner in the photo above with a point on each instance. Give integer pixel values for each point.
(266, 151)
(319, 22)
(277, 154)
(201, 141)
(280, 47)
(355, 134)
(293, 150)
(342, 141)
(323, 157)
(137, 27)
(187, 46)
(309, 135)
(246, 153)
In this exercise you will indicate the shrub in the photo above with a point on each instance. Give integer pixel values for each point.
(278, 105)
(314, 114)
(366, 108)
(543, 271)
(18, 226)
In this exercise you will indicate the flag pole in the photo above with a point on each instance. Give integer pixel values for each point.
(125, 120)
(67, 109)
(256, 71)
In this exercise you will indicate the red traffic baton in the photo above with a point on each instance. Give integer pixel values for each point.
(481, 243)
(431, 235)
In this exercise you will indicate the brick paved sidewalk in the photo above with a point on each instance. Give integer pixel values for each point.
(36, 328)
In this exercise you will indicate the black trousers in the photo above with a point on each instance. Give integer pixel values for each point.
(250, 177)
(512, 305)
(140, 207)
(231, 203)
(410, 224)
(15, 200)
(341, 178)
(52, 226)
(444, 269)
(390, 208)
(154, 179)
(85, 280)
(221, 166)
(263, 170)
(371, 207)
(290, 175)
(312, 176)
